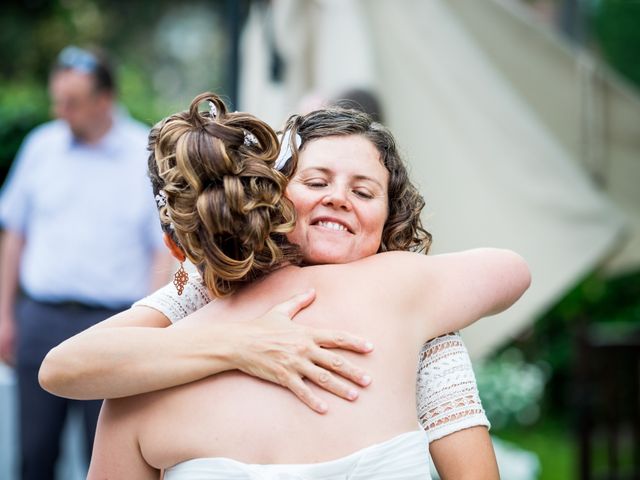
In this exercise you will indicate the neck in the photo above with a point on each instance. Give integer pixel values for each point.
(95, 132)
(265, 285)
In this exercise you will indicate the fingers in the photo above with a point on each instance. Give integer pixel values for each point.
(323, 379)
(305, 394)
(6, 350)
(337, 364)
(330, 382)
(344, 340)
(6, 355)
(7, 341)
(296, 303)
(319, 369)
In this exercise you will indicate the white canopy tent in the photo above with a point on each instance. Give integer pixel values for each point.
(492, 171)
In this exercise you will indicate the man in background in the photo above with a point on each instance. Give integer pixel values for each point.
(81, 240)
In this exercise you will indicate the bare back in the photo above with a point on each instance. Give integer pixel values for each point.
(236, 416)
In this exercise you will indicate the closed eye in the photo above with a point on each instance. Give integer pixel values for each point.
(316, 184)
(363, 194)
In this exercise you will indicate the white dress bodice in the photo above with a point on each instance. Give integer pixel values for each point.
(402, 457)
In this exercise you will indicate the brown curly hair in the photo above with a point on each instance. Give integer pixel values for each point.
(403, 228)
(219, 197)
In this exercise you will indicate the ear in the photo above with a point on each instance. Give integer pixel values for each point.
(173, 247)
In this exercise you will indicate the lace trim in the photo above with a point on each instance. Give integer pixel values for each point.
(175, 307)
(447, 393)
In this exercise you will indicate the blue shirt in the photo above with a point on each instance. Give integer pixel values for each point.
(87, 213)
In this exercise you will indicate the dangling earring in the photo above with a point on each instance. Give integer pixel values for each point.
(180, 279)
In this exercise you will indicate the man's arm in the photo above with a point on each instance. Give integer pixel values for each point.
(10, 254)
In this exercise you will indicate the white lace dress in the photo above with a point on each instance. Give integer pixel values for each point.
(447, 393)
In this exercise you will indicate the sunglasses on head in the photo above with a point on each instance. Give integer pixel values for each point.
(78, 59)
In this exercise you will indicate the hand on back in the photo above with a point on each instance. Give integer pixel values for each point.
(284, 352)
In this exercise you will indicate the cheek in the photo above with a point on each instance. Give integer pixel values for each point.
(377, 227)
(295, 235)
(301, 202)
(291, 194)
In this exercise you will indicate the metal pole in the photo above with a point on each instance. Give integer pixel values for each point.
(234, 16)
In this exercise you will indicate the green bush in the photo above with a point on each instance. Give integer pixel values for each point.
(22, 107)
(616, 26)
(597, 300)
(150, 42)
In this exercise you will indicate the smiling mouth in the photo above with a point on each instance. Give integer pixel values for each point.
(338, 227)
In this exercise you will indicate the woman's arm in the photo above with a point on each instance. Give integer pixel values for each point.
(116, 451)
(125, 355)
(437, 294)
(465, 455)
(450, 410)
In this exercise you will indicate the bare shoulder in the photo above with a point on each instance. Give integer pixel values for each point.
(501, 255)
(446, 292)
(496, 262)
(393, 267)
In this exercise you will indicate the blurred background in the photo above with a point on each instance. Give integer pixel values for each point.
(520, 121)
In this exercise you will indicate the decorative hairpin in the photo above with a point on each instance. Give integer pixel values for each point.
(286, 152)
(250, 139)
(161, 198)
(213, 110)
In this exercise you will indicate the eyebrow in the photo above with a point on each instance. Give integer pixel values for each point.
(327, 171)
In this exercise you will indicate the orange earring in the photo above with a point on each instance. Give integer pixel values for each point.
(180, 279)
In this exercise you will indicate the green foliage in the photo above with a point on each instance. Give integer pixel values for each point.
(551, 439)
(616, 25)
(165, 52)
(509, 383)
(510, 388)
(22, 107)
(598, 300)
(141, 101)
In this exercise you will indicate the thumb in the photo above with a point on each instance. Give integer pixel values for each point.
(292, 306)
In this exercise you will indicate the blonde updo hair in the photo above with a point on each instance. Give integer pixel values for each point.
(218, 195)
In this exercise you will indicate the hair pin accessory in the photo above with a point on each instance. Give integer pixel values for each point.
(161, 198)
(250, 139)
(286, 152)
(213, 110)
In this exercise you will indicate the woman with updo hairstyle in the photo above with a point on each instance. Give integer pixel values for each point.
(223, 205)
(222, 163)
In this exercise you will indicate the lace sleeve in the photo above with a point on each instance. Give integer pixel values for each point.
(447, 393)
(175, 307)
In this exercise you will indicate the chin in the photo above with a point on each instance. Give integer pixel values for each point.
(324, 258)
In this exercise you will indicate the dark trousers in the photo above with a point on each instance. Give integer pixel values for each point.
(42, 326)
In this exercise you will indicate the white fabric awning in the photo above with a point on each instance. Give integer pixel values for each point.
(491, 171)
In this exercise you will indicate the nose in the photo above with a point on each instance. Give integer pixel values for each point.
(337, 198)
